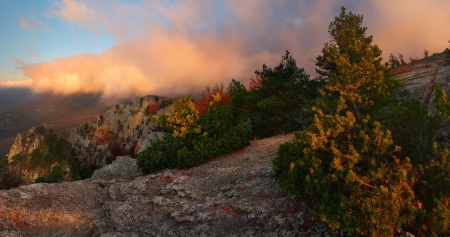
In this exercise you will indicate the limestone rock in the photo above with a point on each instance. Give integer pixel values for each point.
(24, 146)
(420, 78)
(123, 168)
(120, 130)
(27, 144)
(151, 136)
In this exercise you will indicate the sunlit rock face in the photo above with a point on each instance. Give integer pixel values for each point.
(25, 145)
(119, 131)
(420, 78)
(19, 158)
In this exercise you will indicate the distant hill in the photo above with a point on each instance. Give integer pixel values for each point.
(20, 109)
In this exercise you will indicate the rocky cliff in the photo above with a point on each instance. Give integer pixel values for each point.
(119, 131)
(26, 145)
(31, 157)
(420, 78)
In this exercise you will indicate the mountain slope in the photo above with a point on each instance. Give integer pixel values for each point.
(230, 195)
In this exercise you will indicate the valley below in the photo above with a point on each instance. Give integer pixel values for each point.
(20, 110)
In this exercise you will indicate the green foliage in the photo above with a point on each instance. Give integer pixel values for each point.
(346, 166)
(238, 94)
(432, 190)
(369, 163)
(395, 62)
(447, 51)
(10, 178)
(280, 99)
(40, 180)
(221, 130)
(56, 175)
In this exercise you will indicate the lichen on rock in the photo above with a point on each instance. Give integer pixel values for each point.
(123, 168)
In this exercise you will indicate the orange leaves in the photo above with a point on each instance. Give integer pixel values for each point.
(215, 93)
(184, 120)
(292, 165)
(418, 204)
(102, 136)
(153, 108)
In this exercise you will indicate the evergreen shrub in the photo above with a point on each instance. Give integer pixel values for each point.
(191, 139)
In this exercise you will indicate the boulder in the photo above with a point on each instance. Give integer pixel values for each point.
(123, 168)
(151, 136)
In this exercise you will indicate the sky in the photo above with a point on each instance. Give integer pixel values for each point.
(130, 48)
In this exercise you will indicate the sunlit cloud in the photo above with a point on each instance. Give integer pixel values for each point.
(178, 48)
(19, 83)
(31, 23)
(73, 12)
(168, 65)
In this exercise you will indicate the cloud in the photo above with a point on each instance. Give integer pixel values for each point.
(408, 27)
(178, 48)
(31, 23)
(18, 61)
(73, 12)
(169, 65)
(120, 19)
(20, 83)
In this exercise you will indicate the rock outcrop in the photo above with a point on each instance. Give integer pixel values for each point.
(20, 157)
(420, 78)
(232, 195)
(26, 145)
(119, 131)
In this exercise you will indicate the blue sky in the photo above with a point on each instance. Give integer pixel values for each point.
(43, 39)
(123, 48)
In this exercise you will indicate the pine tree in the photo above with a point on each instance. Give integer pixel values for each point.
(345, 165)
(279, 99)
(393, 61)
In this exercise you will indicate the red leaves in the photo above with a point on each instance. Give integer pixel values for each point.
(255, 83)
(202, 105)
(153, 108)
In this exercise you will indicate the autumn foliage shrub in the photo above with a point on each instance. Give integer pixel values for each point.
(192, 138)
(207, 96)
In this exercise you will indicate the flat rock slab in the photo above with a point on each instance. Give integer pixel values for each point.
(232, 195)
(419, 79)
